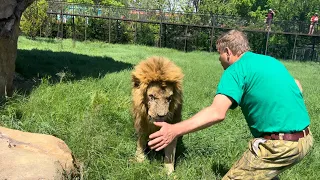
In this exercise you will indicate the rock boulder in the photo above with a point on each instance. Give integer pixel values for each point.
(25, 155)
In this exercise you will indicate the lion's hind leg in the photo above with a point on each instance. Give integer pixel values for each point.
(169, 158)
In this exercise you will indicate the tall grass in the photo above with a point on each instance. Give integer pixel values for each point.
(84, 99)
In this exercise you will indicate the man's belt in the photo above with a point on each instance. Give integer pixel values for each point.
(287, 136)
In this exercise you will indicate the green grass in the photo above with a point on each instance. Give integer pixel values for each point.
(89, 108)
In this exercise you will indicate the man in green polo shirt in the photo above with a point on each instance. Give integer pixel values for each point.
(271, 101)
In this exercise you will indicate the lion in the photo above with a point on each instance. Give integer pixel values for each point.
(157, 96)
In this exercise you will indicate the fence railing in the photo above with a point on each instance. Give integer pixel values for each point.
(159, 16)
(183, 31)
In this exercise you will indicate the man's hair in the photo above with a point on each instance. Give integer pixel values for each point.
(235, 40)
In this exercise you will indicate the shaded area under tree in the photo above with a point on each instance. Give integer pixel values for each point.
(40, 63)
(36, 64)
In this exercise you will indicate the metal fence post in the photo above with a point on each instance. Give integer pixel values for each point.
(160, 30)
(185, 40)
(85, 28)
(267, 43)
(313, 46)
(109, 14)
(293, 57)
(212, 30)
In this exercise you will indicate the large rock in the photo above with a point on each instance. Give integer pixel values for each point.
(33, 156)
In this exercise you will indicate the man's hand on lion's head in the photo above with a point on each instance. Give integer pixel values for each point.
(163, 137)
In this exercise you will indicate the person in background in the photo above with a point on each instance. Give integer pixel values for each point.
(269, 18)
(314, 21)
(271, 101)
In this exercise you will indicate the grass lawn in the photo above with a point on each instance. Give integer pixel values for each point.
(84, 99)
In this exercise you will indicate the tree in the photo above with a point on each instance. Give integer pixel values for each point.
(33, 18)
(118, 3)
(196, 4)
(217, 7)
(10, 16)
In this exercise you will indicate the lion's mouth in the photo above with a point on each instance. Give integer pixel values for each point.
(160, 119)
(157, 119)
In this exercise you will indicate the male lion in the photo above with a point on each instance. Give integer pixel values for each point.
(157, 96)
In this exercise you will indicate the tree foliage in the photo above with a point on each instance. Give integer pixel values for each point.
(101, 2)
(34, 18)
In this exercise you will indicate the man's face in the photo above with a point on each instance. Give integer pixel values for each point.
(224, 59)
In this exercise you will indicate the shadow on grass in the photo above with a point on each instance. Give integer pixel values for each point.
(35, 64)
(220, 169)
(39, 63)
(181, 149)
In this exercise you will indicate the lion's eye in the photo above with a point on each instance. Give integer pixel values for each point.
(151, 97)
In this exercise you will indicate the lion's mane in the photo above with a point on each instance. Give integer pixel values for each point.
(162, 71)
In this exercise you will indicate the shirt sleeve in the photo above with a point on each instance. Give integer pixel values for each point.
(231, 85)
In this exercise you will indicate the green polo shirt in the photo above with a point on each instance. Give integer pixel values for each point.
(268, 95)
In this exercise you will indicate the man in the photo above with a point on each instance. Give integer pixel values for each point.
(269, 18)
(271, 102)
(314, 20)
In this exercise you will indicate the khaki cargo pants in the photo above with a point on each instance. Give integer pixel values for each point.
(265, 159)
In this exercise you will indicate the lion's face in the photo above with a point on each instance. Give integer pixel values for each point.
(159, 97)
(156, 93)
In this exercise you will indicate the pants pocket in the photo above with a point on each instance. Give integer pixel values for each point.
(255, 145)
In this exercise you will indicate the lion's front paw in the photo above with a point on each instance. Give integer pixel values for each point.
(140, 157)
(169, 168)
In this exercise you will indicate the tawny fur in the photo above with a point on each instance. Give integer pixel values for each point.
(164, 76)
(154, 69)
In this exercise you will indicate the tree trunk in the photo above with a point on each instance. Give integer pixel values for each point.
(10, 15)
(8, 49)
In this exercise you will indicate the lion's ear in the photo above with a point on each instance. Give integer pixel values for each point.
(135, 81)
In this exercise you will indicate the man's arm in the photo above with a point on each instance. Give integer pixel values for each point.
(299, 85)
(203, 119)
